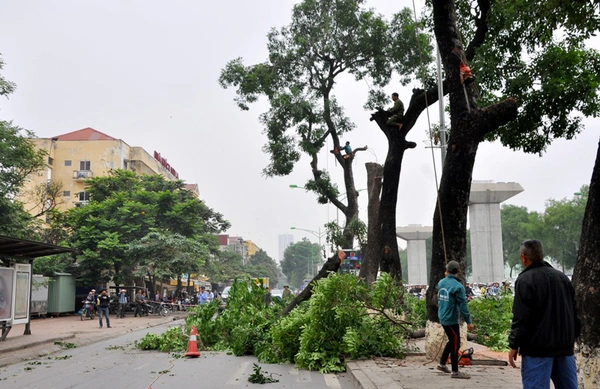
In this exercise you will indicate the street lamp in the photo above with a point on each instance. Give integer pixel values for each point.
(319, 235)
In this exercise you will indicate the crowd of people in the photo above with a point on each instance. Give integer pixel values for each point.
(472, 290)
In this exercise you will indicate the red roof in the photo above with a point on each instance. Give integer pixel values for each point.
(84, 134)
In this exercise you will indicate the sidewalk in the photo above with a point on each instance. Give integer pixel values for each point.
(69, 329)
(416, 372)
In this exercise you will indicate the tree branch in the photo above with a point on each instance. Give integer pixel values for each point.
(482, 29)
(497, 115)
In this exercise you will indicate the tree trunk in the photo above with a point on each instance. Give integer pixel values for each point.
(372, 255)
(469, 125)
(397, 144)
(332, 265)
(586, 280)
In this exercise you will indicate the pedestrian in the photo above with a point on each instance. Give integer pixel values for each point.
(268, 297)
(122, 303)
(103, 305)
(203, 295)
(452, 303)
(139, 301)
(545, 322)
(287, 293)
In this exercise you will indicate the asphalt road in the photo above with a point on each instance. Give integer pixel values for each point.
(116, 363)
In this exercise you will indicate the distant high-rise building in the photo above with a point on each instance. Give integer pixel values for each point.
(284, 241)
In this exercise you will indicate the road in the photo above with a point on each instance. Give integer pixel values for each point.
(116, 363)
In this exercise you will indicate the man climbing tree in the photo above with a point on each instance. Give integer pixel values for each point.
(397, 112)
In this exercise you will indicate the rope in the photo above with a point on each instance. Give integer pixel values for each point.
(161, 374)
(437, 188)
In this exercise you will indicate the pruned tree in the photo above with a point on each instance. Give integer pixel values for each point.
(586, 279)
(324, 41)
(533, 73)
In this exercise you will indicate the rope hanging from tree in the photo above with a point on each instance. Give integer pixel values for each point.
(437, 188)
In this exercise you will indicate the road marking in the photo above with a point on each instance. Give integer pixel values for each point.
(239, 376)
(332, 381)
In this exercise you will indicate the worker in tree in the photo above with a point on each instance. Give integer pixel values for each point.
(347, 149)
(397, 112)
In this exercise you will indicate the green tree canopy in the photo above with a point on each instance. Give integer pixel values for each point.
(298, 259)
(261, 265)
(18, 158)
(123, 209)
(324, 41)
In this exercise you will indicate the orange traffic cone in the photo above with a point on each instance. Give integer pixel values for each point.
(192, 350)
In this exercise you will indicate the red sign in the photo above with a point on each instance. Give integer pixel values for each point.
(163, 161)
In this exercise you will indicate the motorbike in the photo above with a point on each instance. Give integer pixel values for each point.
(88, 310)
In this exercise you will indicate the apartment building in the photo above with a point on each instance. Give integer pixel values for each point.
(76, 156)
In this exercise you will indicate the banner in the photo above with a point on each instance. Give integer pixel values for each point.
(6, 293)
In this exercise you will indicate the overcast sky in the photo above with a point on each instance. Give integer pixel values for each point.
(146, 71)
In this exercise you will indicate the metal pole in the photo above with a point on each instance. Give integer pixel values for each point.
(441, 106)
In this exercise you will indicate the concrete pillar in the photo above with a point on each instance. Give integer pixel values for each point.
(486, 229)
(415, 235)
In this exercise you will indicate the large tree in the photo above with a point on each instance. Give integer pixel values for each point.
(19, 157)
(325, 41)
(533, 73)
(586, 279)
(298, 259)
(518, 224)
(123, 209)
(561, 228)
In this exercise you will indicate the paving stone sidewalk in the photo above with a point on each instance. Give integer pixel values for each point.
(416, 372)
(69, 329)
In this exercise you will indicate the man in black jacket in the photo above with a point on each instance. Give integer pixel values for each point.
(545, 322)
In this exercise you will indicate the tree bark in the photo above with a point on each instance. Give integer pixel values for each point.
(332, 265)
(469, 125)
(586, 280)
(372, 254)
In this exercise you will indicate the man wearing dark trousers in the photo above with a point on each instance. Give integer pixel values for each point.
(452, 303)
(103, 305)
(139, 300)
(545, 323)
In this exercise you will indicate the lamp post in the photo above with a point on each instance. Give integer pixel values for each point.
(319, 235)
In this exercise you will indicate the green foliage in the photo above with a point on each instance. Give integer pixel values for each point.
(343, 319)
(298, 259)
(171, 340)
(258, 377)
(492, 317)
(534, 51)
(415, 310)
(558, 227)
(129, 216)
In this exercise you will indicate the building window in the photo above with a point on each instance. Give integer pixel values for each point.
(84, 196)
(85, 165)
(67, 162)
(50, 161)
(125, 164)
(66, 193)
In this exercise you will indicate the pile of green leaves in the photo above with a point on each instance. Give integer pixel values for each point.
(344, 319)
(492, 318)
(171, 340)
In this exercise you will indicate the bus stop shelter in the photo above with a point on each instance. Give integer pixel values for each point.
(16, 261)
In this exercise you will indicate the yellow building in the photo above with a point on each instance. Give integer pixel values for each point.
(79, 155)
(250, 248)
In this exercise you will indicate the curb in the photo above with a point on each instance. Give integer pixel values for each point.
(359, 378)
(38, 343)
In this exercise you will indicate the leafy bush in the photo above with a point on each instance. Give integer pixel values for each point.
(171, 340)
(343, 319)
(415, 310)
(492, 318)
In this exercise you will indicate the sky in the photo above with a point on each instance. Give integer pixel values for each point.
(145, 71)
